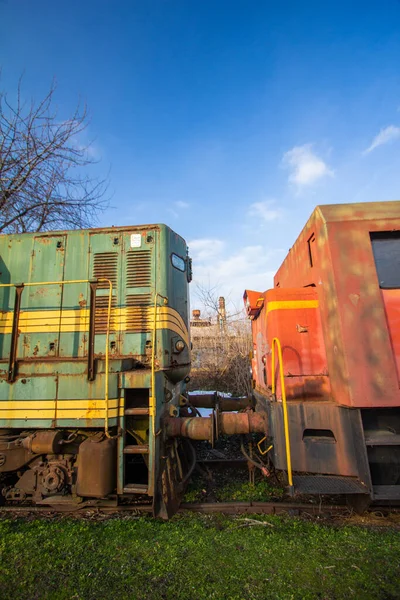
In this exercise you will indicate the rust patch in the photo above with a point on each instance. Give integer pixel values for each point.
(82, 301)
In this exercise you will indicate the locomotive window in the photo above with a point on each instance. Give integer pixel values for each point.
(178, 262)
(386, 249)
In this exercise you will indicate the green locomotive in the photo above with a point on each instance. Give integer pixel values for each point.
(94, 352)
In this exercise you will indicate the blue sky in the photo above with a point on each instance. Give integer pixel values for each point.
(227, 120)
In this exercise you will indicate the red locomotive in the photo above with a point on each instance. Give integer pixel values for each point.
(332, 396)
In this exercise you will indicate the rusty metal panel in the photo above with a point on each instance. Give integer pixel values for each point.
(360, 316)
(97, 462)
(334, 254)
(293, 317)
(324, 438)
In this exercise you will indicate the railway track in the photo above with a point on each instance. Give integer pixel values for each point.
(231, 508)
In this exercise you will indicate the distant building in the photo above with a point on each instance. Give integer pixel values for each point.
(207, 336)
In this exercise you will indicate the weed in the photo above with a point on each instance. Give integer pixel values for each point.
(194, 557)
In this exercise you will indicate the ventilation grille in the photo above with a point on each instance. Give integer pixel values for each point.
(138, 319)
(102, 314)
(138, 300)
(138, 268)
(138, 313)
(105, 265)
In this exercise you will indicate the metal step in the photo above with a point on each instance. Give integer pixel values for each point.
(386, 492)
(136, 412)
(136, 449)
(328, 484)
(135, 488)
(381, 438)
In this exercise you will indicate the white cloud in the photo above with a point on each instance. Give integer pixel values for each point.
(205, 249)
(265, 210)
(386, 135)
(250, 267)
(306, 167)
(181, 204)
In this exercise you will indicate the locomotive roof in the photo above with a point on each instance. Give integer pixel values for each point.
(111, 229)
(359, 211)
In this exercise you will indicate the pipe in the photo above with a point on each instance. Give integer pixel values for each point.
(201, 428)
(246, 422)
(194, 428)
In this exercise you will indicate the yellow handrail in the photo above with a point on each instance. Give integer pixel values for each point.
(153, 365)
(110, 290)
(276, 343)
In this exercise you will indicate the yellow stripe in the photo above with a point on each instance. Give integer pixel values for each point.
(172, 313)
(71, 321)
(12, 415)
(290, 304)
(59, 409)
(85, 404)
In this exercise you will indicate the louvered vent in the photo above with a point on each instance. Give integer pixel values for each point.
(138, 268)
(138, 300)
(105, 265)
(138, 313)
(102, 314)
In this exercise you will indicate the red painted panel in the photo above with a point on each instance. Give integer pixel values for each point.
(391, 299)
(359, 322)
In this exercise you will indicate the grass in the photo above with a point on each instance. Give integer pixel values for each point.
(196, 557)
(230, 484)
(239, 491)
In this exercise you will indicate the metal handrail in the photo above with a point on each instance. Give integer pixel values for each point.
(153, 359)
(276, 343)
(110, 290)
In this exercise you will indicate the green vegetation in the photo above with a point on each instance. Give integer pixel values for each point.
(195, 558)
(234, 491)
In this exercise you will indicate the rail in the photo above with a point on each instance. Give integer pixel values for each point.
(276, 344)
(19, 287)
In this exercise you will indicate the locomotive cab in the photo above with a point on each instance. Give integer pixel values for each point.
(335, 312)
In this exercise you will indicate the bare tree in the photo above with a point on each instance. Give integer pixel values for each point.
(44, 182)
(208, 297)
(220, 359)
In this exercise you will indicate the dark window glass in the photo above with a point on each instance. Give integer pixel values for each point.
(178, 262)
(386, 249)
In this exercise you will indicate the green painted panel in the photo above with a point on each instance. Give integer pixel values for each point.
(15, 254)
(76, 296)
(46, 264)
(137, 265)
(32, 388)
(105, 261)
(77, 387)
(140, 252)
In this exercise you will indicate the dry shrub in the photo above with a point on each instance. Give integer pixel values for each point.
(220, 359)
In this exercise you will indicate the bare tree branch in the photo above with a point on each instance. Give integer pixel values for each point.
(44, 182)
(220, 359)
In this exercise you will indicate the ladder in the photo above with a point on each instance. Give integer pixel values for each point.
(136, 417)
